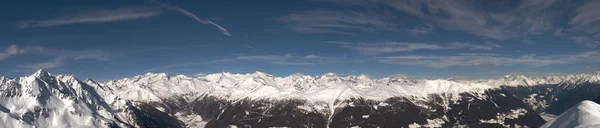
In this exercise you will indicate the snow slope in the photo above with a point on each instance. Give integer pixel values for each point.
(45, 100)
(328, 87)
(259, 85)
(42, 100)
(584, 115)
(522, 80)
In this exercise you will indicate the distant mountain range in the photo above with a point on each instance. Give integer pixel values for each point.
(262, 100)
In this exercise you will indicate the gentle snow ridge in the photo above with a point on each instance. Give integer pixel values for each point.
(584, 115)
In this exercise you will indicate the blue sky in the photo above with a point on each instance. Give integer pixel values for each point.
(111, 39)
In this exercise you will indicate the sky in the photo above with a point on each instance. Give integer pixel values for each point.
(469, 39)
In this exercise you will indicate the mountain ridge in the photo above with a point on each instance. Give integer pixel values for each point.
(186, 101)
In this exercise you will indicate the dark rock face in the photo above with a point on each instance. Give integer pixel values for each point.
(597, 100)
(503, 107)
(389, 113)
(472, 110)
(568, 98)
(267, 113)
(148, 116)
(556, 98)
(541, 93)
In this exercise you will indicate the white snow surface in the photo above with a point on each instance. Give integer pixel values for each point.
(522, 80)
(328, 87)
(41, 100)
(584, 115)
(45, 100)
(259, 85)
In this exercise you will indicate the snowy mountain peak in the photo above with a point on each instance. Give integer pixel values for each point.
(516, 76)
(41, 73)
(262, 74)
(91, 81)
(585, 114)
(43, 100)
(574, 80)
(66, 78)
(329, 75)
(363, 76)
(160, 75)
(3, 79)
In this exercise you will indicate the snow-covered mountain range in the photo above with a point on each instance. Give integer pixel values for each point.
(262, 100)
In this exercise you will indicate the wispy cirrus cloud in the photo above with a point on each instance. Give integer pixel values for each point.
(95, 16)
(45, 65)
(199, 74)
(192, 15)
(489, 60)
(587, 18)
(587, 68)
(587, 41)
(112, 15)
(333, 21)
(165, 49)
(286, 60)
(391, 47)
(11, 51)
(282, 59)
(421, 30)
(250, 47)
(587, 22)
(60, 56)
(500, 20)
(514, 20)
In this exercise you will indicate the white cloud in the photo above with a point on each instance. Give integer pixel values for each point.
(166, 48)
(587, 19)
(288, 60)
(330, 21)
(420, 30)
(505, 22)
(250, 47)
(489, 60)
(462, 45)
(586, 24)
(391, 47)
(45, 65)
(590, 42)
(95, 16)
(107, 15)
(60, 56)
(558, 32)
(199, 74)
(313, 56)
(191, 15)
(587, 68)
(12, 50)
(15, 50)
(282, 59)
(398, 75)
